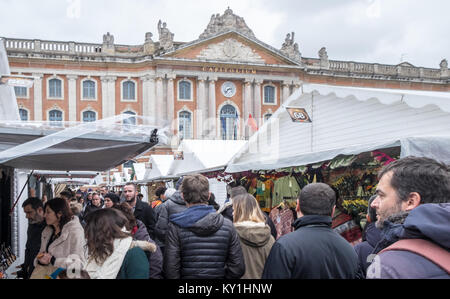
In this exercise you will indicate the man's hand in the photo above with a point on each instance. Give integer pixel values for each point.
(44, 258)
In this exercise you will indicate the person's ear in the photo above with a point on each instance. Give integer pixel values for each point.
(412, 202)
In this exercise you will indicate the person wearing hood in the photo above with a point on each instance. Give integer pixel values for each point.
(413, 210)
(371, 237)
(173, 205)
(200, 243)
(254, 234)
(314, 250)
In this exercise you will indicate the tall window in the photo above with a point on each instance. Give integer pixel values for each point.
(131, 120)
(21, 92)
(88, 89)
(229, 122)
(269, 94)
(55, 117)
(185, 125)
(23, 114)
(184, 89)
(55, 88)
(89, 116)
(128, 90)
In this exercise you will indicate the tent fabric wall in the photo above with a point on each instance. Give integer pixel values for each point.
(353, 122)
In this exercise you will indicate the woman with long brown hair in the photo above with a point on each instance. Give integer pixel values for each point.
(111, 252)
(62, 241)
(254, 234)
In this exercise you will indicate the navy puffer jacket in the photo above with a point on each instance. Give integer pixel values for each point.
(202, 244)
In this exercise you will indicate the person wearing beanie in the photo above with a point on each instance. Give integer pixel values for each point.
(372, 236)
(111, 199)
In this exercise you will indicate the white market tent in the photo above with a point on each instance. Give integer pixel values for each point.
(160, 165)
(346, 121)
(201, 156)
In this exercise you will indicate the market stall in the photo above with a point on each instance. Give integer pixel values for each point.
(341, 136)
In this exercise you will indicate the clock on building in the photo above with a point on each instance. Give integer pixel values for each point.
(228, 89)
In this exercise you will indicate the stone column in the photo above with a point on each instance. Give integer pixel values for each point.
(148, 99)
(285, 91)
(212, 115)
(108, 96)
(171, 100)
(296, 86)
(257, 102)
(73, 97)
(159, 101)
(202, 110)
(38, 96)
(247, 105)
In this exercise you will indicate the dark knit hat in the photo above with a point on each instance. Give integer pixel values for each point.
(114, 198)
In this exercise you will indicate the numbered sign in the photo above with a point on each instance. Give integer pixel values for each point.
(299, 115)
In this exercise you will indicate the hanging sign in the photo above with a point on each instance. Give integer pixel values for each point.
(299, 115)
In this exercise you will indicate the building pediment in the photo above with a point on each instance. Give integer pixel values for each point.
(231, 47)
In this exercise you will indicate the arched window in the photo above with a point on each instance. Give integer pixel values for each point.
(128, 90)
(21, 92)
(131, 120)
(269, 94)
(185, 125)
(55, 88)
(23, 114)
(55, 117)
(88, 89)
(89, 116)
(184, 90)
(229, 122)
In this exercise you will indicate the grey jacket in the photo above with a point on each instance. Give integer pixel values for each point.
(174, 205)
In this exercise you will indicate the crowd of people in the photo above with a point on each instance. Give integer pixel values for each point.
(185, 234)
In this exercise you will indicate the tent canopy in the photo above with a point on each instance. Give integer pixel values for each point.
(160, 165)
(204, 155)
(348, 120)
(97, 146)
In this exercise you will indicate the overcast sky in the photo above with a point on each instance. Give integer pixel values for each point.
(381, 31)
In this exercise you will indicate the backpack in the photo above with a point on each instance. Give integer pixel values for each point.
(426, 249)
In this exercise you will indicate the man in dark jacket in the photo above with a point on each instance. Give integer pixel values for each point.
(371, 237)
(173, 205)
(142, 210)
(200, 243)
(34, 212)
(412, 205)
(314, 250)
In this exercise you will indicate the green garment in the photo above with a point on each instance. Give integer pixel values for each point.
(285, 188)
(135, 265)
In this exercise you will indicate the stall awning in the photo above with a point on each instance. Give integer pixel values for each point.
(96, 148)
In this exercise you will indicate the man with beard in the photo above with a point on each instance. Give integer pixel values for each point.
(413, 212)
(34, 212)
(142, 210)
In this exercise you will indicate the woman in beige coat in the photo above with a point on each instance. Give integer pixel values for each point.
(254, 233)
(62, 241)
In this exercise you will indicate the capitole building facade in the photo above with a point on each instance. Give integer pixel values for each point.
(205, 89)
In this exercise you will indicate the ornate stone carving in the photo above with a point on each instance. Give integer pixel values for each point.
(444, 65)
(165, 36)
(323, 55)
(108, 44)
(149, 45)
(290, 49)
(227, 22)
(230, 49)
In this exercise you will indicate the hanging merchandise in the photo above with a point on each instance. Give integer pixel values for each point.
(7, 258)
(283, 217)
(285, 188)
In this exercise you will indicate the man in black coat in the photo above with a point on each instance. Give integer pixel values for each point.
(313, 250)
(34, 212)
(200, 243)
(142, 210)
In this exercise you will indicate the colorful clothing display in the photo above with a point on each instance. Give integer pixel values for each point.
(345, 226)
(285, 188)
(283, 218)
